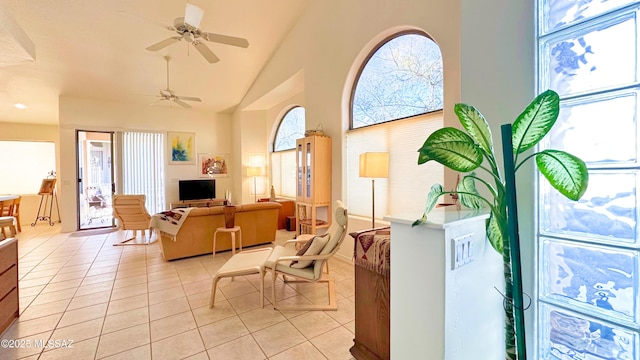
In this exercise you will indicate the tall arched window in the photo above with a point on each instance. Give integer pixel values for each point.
(401, 78)
(396, 103)
(283, 160)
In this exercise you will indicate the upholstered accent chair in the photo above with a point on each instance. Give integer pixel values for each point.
(305, 264)
(132, 215)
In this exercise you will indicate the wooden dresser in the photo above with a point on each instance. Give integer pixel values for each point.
(8, 282)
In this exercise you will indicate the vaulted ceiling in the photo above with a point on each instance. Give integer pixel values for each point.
(95, 49)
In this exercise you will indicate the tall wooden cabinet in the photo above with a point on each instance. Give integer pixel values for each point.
(313, 183)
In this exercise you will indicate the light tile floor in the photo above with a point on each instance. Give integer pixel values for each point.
(126, 302)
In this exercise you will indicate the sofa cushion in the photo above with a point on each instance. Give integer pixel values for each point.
(311, 247)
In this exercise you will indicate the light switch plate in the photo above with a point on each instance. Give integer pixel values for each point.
(461, 250)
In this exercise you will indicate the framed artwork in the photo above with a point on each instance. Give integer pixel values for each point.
(47, 187)
(214, 165)
(181, 148)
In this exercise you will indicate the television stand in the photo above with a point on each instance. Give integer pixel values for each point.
(199, 203)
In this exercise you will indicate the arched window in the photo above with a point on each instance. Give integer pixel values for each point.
(401, 79)
(291, 128)
(283, 158)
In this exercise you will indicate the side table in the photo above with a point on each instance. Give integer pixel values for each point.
(231, 231)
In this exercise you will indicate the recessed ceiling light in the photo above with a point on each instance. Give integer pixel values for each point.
(20, 106)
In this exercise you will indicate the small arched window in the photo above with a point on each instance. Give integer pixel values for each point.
(401, 78)
(283, 157)
(291, 128)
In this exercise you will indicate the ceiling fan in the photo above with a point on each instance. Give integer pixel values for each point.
(168, 95)
(187, 28)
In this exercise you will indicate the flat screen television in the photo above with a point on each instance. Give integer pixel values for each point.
(196, 189)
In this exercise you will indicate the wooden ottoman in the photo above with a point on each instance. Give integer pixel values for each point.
(243, 263)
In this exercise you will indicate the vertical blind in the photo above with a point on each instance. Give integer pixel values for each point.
(408, 184)
(143, 167)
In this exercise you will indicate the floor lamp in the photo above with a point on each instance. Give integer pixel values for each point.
(254, 171)
(374, 165)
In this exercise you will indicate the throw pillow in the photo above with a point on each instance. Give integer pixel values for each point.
(311, 247)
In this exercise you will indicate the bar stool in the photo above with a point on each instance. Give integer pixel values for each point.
(231, 231)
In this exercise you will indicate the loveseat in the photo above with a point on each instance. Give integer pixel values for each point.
(259, 223)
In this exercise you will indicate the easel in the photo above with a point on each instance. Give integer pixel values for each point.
(47, 193)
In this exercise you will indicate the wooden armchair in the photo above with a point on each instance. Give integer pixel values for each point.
(281, 259)
(132, 215)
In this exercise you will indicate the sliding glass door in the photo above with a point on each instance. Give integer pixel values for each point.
(95, 179)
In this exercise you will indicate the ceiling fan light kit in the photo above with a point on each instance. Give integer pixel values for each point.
(187, 28)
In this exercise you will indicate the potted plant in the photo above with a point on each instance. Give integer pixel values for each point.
(472, 149)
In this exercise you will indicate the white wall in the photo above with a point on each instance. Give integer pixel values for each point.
(213, 135)
(498, 77)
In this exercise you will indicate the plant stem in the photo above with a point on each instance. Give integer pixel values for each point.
(509, 321)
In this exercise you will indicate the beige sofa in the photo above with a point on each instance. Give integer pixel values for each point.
(259, 223)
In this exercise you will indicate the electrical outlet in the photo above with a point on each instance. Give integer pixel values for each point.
(461, 251)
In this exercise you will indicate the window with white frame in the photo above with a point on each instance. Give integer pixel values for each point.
(396, 103)
(588, 263)
(29, 163)
(283, 159)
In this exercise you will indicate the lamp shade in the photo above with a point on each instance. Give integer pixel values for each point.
(254, 171)
(374, 164)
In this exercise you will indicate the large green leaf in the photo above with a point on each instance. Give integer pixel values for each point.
(565, 172)
(436, 191)
(535, 121)
(452, 148)
(476, 126)
(493, 233)
(468, 186)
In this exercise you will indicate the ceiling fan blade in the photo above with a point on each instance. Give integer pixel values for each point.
(188, 98)
(225, 39)
(182, 103)
(193, 15)
(206, 52)
(164, 43)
